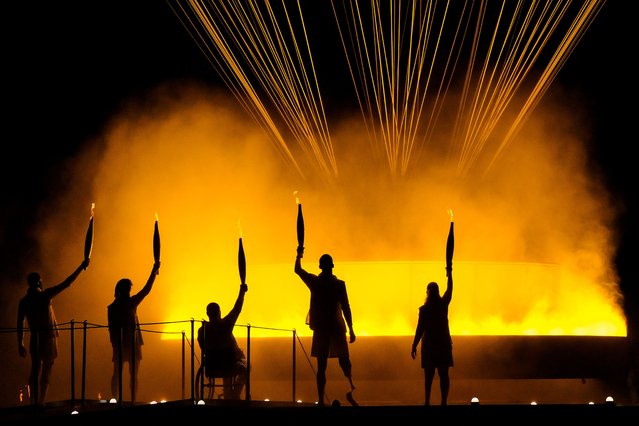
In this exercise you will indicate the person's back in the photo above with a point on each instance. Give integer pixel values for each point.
(328, 295)
(436, 330)
(39, 313)
(221, 351)
(123, 323)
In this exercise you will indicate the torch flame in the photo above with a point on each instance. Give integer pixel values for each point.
(156, 217)
(450, 212)
(297, 199)
(92, 207)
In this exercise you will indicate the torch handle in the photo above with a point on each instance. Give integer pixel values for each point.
(241, 262)
(300, 227)
(156, 243)
(450, 248)
(88, 241)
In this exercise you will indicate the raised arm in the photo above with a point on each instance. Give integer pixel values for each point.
(306, 276)
(298, 261)
(239, 303)
(54, 290)
(448, 293)
(149, 283)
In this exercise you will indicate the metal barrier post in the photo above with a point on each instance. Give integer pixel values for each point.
(294, 365)
(84, 360)
(248, 363)
(183, 362)
(192, 359)
(72, 362)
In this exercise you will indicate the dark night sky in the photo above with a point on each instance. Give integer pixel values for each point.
(67, 66)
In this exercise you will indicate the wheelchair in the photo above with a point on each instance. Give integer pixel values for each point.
(209, 382)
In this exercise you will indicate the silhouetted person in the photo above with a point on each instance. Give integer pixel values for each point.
(434, 333)
(329, 308)
(37, 307)
(124, 331)
(222, 357)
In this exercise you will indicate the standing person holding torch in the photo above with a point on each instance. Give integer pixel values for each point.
(433, 330)
(37, 308)
(328, 316)
(124, 327)
(124, 331)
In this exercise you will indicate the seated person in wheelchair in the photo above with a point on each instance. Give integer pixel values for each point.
(222, 357)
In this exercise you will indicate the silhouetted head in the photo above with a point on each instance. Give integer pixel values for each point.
(326, 262)
(123, 288)
(213, 311)
(33, 279)
(432, 289)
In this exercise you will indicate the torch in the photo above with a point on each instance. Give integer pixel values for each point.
(156, 241)
(300, 223)
(450, 245)
(241, 259)
(88, 241)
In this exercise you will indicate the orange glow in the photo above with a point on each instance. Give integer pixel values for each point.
(533, 247)
(491, 298)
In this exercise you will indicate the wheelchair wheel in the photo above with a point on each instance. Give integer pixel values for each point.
(199, 384)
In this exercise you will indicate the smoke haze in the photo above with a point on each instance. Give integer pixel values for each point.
(534, 238)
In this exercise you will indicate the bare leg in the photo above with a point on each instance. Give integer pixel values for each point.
(429, 375)
(241, 373)
(322, 363)
(444, 383)
(229, 392)
(115, 381)
(133, 371)
(47, 366)
(34, 379)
